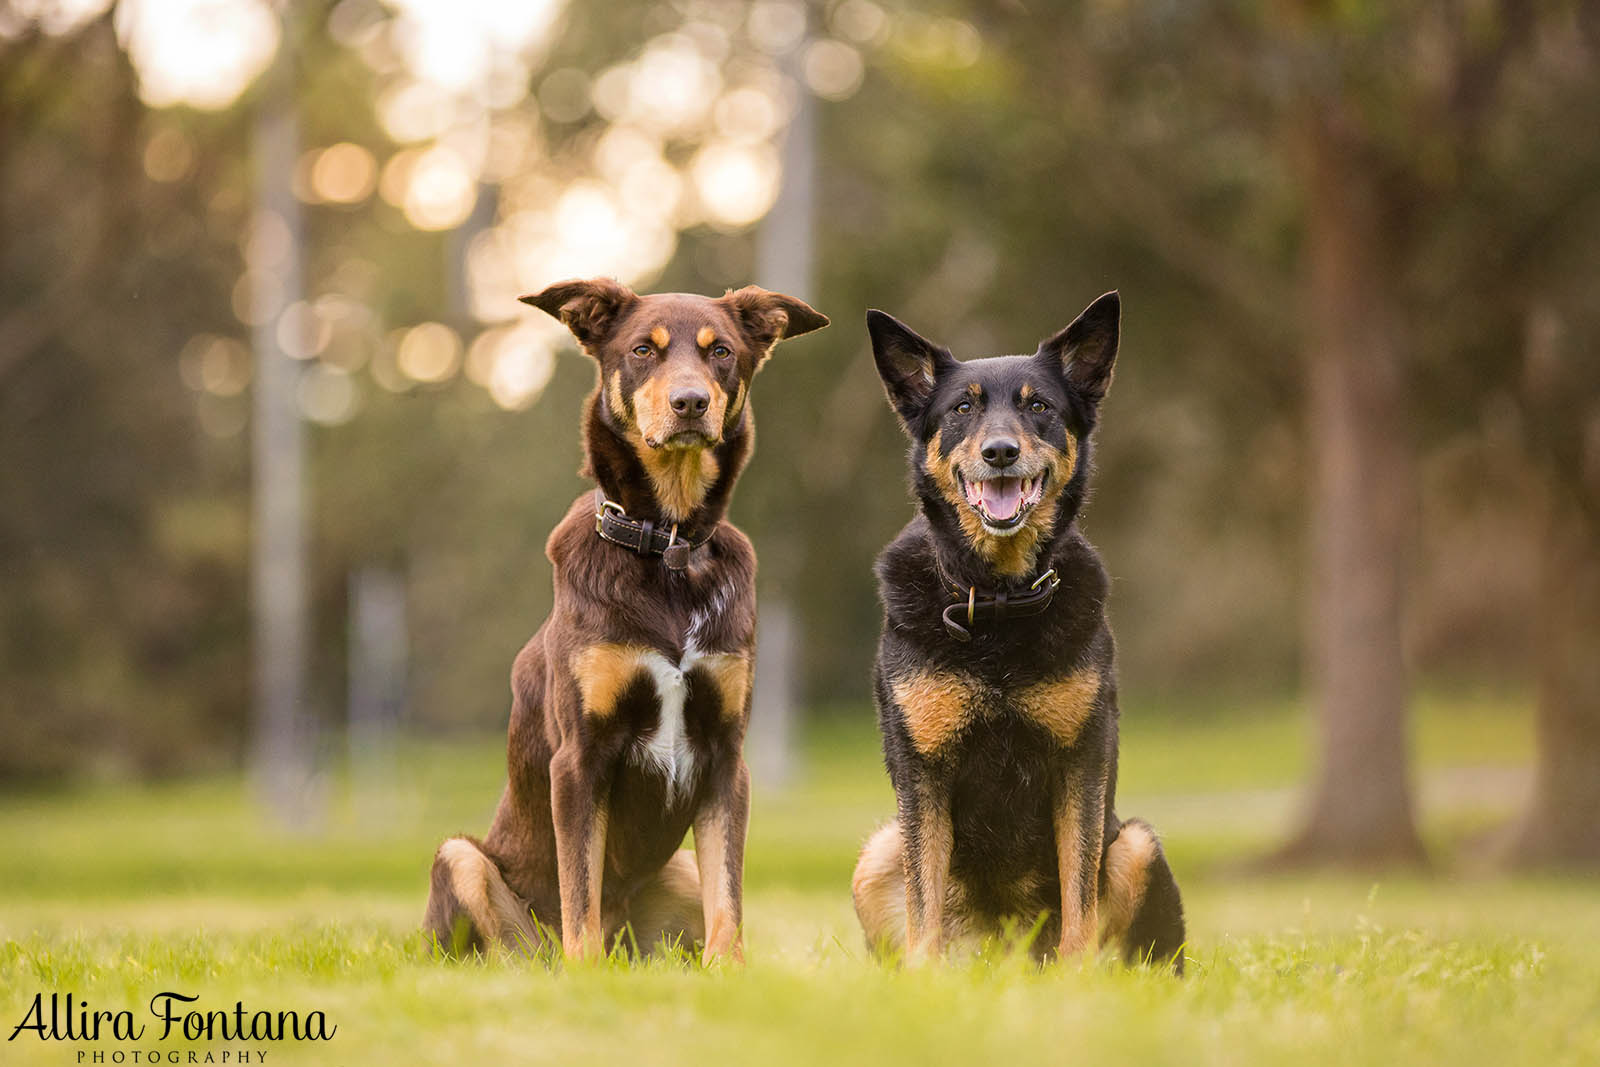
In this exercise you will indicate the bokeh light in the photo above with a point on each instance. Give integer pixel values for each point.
(833, 70)
(214, 364)
(414, 111)
(440, 190)
(344, 173)
(428, 352)
(747, 114)
(170, 155)
(736, 183)
(327, 395)
(513, 363)
(776, 26)
(202, 53)
(862, 21)
(302, 333)
(257, 297)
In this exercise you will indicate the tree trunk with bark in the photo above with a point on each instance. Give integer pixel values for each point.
(1364, 500)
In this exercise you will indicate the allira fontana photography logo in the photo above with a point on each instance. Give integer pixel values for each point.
(172, 1017)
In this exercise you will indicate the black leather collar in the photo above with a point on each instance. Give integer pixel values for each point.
(974, 606)
(643, 536)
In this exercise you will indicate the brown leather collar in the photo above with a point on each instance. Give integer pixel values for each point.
(973, 607)
(641, 535)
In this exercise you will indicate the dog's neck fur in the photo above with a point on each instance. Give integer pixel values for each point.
(611, 460)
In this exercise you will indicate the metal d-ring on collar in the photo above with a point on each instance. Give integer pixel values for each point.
(997, 607)
(641, 535)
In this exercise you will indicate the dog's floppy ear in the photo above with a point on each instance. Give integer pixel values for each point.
(767, 317)
(1086, 352)
(589, 308)
(908, 363)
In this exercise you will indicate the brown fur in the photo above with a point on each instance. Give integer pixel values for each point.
(629, 705)
(1079, 866)
(731, 673)
(937, 705)
(928, 872)
(1062, 705)
(1127, 867)
(879, 890)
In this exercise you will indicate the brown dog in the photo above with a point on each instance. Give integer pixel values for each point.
(629, 705)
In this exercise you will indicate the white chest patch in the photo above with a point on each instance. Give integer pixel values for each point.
(667, 750)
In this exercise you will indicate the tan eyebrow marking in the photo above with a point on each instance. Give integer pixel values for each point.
(1026, 391)
(705, 337)
(975, 389)
(660, 337)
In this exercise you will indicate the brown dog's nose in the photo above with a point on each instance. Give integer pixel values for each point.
(1000, 451)
(689, 403)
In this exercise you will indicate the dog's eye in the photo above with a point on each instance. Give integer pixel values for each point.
(642, 351)
(964, 408)
(721, 352)
(1038, 407)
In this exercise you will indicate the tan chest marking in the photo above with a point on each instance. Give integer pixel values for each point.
(936, 705)
(730, 673)
(603, 671)
(1062, 705)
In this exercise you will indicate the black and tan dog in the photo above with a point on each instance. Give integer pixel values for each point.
(629, 705)
(995, 681)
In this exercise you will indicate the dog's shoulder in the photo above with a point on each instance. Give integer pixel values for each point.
(573, 533)
(1082, 572)
(733, 552)
(908, 579)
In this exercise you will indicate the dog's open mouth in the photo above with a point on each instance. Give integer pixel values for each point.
(1003, 502)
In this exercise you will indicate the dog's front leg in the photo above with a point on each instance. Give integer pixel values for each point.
(925, 821)
(578, 809)
(719, 833)
(1079, 812)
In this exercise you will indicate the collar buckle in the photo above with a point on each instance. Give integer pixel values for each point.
(962, 617)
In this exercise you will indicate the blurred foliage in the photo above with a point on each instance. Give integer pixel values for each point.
(994, 171)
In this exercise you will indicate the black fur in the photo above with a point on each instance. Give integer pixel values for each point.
(1011, 738)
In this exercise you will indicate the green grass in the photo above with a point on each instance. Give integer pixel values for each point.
(116, 893)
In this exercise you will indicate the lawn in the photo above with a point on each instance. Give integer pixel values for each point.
(116, 893)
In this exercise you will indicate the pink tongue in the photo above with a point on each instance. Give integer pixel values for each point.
(1001, 497)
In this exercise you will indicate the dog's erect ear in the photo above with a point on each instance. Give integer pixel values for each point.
(908, 363)
(1086, 352)
(767, 317)
(589, 308)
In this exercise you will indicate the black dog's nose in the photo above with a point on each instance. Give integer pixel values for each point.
(1000, 451)
(690, 403)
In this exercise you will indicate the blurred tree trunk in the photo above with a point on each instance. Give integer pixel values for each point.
(1561, 827)
(1364, 495)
